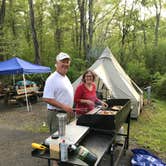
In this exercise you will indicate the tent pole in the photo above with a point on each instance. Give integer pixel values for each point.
(13, 80)
(26, 96)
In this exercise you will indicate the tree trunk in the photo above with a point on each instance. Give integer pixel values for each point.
(85, 53)
(144, 34)
(58, 32)
(58, 29)
(12, 20)
(27, 32)
(124, 33)
(81, 10)
(90, 30)
(34, 35)
(40, 25)
(158, 12)
(76, 31)
(2, 17)
(2, 13)
(83, 43)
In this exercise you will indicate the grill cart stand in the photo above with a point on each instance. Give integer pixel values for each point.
(98, 141)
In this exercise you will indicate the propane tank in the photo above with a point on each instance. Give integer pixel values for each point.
(83, 154)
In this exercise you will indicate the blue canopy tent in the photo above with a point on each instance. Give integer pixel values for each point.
(18, 66)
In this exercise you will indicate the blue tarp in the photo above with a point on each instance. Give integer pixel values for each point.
(18, 66)
(142, 157)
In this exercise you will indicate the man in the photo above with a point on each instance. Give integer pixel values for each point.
(58, 91)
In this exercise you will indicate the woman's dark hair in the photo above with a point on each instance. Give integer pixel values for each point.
(88, 71)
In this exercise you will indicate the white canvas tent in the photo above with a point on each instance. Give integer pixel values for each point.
(113, 82)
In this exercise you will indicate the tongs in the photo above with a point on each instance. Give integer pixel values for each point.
(80, 110)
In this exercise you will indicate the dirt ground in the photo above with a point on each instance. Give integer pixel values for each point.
(19, 128)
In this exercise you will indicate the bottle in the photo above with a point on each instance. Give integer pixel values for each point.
(64, 151)
(72, 149)
(83, 154)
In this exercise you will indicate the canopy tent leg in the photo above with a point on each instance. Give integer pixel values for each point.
(26, 96)
(13, 80)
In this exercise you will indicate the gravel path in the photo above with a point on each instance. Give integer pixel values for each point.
(16, 136)
(16, 147)
(19, 128)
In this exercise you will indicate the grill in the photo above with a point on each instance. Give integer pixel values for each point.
(111, 118)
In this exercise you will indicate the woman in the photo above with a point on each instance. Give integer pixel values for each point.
(85, 95)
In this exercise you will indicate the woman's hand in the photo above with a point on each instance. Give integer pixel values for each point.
(89, 102)
(105, 105)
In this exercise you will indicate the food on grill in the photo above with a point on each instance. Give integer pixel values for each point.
(107, 112)
(117, 107)
(107, 119)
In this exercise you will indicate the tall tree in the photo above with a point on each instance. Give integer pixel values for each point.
(124, 34)
(76, 31)
(34, 34)
(2, 17)
(40, 7)
(81, 6)
(12, 19)
(2, 13)
(90, 28)
(127, 24)
(86, 26)
(157, 4)
(56, 20)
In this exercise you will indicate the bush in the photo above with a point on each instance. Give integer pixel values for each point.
(155, 58)
(160, 87)
(139, 73)
(78, 66)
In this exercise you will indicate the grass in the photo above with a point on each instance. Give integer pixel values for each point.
(149, 131)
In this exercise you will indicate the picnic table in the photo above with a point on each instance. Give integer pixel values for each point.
(11, 96)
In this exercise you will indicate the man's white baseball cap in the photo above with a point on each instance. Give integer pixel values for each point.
(62, 56)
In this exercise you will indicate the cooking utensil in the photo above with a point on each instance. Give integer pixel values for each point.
(38, 146)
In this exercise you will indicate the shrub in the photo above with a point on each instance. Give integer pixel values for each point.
(139, 73)
(160, 87)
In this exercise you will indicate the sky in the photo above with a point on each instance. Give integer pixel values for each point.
(146, 12)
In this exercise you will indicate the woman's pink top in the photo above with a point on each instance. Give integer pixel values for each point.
(84, 93)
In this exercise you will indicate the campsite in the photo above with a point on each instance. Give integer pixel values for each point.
(33, 128)
(82, 82)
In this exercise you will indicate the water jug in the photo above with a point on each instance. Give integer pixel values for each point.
(62, 120)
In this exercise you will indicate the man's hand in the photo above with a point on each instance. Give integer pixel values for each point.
(55, 103)
(68, 108)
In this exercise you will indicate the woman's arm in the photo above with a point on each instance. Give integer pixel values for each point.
(78, 94)
(104, 104)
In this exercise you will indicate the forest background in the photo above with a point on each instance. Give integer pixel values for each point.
(37, 30)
